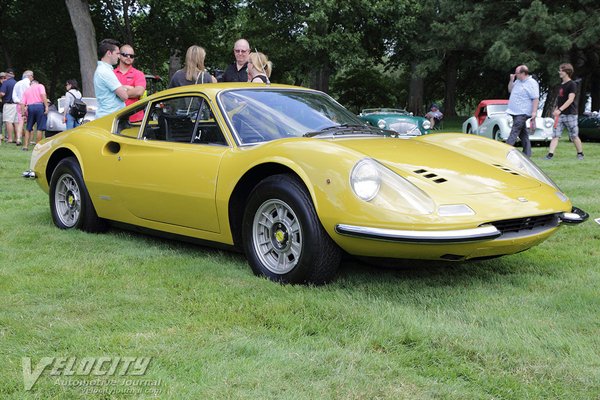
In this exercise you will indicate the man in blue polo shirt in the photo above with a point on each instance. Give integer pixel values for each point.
(522, 104)
(9, 108)
(110, 93)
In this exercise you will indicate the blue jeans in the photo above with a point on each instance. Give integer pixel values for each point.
(519, 130)
(72, 122)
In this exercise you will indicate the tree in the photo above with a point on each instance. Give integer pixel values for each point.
(79, 11)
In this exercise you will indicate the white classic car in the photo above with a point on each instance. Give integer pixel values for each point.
(56, 113)
(492, 121)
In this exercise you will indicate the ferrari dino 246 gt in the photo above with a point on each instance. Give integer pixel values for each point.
(293, 179)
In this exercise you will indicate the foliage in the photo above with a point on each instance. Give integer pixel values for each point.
(462, 51)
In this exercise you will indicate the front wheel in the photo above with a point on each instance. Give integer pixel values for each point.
(496, 134)
(283, 237)
(70, 202)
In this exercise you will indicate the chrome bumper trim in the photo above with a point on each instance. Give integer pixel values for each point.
(486, 232)
(576, 216)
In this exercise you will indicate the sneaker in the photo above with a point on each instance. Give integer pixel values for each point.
(548, 157)
(580, 156)
(28, 174)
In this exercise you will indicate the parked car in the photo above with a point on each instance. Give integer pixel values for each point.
(55, 122)
(589, 126)
(398, 120)
(492, 121)
(293, 179)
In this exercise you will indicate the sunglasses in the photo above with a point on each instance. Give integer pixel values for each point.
(240, 51)
(128, 55)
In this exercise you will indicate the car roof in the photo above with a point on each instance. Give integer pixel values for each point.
(492, 102)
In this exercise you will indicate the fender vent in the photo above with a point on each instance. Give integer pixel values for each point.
(430, 175)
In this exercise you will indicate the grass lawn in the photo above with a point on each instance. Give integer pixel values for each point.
(525, 326)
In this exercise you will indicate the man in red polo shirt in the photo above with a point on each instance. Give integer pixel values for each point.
(132, 79)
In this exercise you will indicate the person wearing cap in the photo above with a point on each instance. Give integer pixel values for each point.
(434, 115)
(9, 108)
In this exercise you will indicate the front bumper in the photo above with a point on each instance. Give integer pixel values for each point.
(481, 233)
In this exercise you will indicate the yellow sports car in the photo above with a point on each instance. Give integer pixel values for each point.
(293, 179)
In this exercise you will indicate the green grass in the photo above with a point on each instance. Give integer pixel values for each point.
(520, 327)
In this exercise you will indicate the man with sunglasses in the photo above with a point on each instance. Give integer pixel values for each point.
(238, 70)
(131, 78)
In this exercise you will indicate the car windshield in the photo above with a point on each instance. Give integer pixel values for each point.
(268, 114)
(497, 108)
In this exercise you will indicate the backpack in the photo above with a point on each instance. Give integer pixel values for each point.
(78, 108)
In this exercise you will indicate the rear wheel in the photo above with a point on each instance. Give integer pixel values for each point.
(70, 202)
(283, 237)
(469, 130)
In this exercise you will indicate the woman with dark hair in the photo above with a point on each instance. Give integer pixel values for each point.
(72, 94)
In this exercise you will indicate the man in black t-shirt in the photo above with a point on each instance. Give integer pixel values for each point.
(238, 70)
(565, 113)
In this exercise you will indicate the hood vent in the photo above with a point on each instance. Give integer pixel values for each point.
(503, 168)
(430, 175)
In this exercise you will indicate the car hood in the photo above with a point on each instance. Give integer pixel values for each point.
(475, 166)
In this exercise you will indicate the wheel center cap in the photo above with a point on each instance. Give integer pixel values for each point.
(280, 235)
(70, 200)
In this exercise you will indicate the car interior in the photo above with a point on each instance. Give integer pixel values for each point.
(180, 120)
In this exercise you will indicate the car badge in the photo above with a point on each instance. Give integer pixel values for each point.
(522, 199)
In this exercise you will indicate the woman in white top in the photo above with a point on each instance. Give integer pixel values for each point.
(259, 68)
(72, 93)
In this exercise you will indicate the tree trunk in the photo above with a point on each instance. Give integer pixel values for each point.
(321, 78)
(594, 91)
(415, 91)
(79, 11)
(450, 93)
(174, 63)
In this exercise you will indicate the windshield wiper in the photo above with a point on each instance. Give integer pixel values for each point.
(345, 129)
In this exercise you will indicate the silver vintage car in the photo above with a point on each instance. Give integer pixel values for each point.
(56, 112)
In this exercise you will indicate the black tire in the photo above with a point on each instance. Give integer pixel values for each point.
(297, 249)
(70, 202)
(496, 134)
(469, 130)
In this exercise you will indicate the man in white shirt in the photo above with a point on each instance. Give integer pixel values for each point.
(20, 88)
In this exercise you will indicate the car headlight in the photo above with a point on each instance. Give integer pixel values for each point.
(520, 162)
(510, 122)
(548, 122)
(381, 124)
(375, 183)
(426, 124)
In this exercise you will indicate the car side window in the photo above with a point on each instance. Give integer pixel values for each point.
(207, 130)
(129, 124)
(182, 120)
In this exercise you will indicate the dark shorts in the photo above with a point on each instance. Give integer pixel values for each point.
(35, 115)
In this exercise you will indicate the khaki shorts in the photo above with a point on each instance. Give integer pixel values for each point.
(9, 113)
